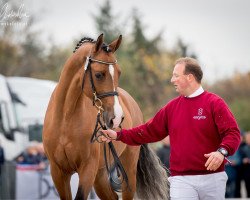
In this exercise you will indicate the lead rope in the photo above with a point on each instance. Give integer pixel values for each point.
(121, 174)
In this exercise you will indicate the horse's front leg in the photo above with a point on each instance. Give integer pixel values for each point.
(87, 174)
(61, 181)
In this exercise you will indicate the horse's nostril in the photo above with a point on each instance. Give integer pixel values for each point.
(108, 119)
(111, 123)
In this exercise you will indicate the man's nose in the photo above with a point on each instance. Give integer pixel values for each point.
(172, 79)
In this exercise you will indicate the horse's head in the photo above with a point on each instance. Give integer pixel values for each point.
(100, 76)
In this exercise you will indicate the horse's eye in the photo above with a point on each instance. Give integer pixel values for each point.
(99, 75)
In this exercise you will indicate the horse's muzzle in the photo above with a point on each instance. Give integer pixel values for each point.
(111, 120)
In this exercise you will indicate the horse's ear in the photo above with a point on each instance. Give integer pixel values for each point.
(99, 42)
(113, 46)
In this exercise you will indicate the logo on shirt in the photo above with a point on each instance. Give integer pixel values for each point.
(200, 115)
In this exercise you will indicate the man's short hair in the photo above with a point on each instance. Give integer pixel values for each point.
(191, 67)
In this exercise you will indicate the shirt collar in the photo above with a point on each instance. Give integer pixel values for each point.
(199, 91)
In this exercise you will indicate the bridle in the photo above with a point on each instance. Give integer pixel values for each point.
(99, 125)
(97, 97)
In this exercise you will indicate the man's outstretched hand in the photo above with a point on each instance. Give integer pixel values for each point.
(108, 135)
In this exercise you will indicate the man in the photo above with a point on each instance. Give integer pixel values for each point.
(202, 131)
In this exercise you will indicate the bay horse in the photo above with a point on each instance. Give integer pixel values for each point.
(87, 84)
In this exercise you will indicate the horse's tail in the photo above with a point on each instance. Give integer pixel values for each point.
(152, 179)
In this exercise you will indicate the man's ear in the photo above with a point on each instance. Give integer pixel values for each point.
(191, 77)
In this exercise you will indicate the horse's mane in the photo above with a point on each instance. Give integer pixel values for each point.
(88, 39)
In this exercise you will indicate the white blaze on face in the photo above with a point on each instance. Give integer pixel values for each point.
(118, 112)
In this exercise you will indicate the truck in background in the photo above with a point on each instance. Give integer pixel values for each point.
(23, 103)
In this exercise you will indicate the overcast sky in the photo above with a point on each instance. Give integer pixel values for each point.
(218, 31)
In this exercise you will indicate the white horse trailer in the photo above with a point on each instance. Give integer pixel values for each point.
(23, 103)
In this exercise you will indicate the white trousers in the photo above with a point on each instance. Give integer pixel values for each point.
(198, 187)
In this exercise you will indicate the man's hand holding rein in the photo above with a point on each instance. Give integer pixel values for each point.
(108, 135)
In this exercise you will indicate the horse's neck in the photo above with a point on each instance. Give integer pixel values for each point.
(68, 93)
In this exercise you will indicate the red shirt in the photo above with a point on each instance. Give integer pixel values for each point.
(196, 126)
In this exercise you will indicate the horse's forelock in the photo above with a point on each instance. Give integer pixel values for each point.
(106, 48)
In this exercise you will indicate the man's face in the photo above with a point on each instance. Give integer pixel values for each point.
(179, 79)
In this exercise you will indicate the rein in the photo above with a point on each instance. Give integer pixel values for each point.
(99, 125)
